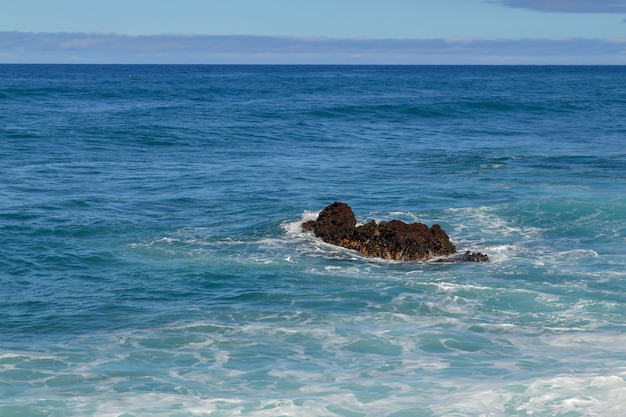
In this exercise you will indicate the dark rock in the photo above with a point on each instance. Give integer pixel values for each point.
(334, 224)
(466, 257)
(395, 239)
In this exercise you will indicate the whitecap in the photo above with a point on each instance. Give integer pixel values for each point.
(579, 254)
(491, 166)
(294, 228)
(580, 395)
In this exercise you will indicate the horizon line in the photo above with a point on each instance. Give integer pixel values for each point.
(102, 48)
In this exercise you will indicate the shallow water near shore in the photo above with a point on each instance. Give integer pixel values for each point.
(152, 261)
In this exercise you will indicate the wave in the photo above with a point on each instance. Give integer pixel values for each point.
(376, 365)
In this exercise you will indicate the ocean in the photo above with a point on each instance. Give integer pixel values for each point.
(152, 261)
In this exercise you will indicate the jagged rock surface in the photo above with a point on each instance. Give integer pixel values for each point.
(394, 240)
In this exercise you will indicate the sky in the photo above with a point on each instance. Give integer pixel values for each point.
(587, 32)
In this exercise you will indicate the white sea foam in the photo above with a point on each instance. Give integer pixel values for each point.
(491, 166)
(584, 395)
(579, 254)
(486, 223)
(294, 228)
(592, 395)
(331, 367)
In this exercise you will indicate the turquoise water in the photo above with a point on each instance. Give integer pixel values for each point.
(152, 261)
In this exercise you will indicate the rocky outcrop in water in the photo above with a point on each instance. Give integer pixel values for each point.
(393, 240)
(465, 257)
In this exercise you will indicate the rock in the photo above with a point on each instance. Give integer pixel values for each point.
(466, 257)
(394, 240)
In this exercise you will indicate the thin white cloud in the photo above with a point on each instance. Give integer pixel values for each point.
(26, 47)
(569, 6)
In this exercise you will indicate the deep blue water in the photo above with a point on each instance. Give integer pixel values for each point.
(152, 261)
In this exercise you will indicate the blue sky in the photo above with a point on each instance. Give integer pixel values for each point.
(320, 31)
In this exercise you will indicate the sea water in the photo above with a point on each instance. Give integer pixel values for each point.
(152, 261)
